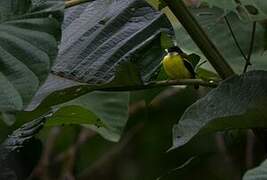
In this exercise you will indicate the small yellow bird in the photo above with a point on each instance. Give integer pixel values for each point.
(177, 66)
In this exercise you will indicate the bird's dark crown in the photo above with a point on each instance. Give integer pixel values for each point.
(174, 49)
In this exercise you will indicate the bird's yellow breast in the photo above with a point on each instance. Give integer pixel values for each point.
(174, 67)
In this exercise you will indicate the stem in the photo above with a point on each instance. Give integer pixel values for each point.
(200, 37)
(71, 3)
(156, 84)
(248, 63)
(234, 38)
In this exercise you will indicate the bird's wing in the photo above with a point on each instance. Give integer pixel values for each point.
(189, 67)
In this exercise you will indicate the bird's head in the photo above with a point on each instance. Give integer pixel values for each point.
(174, 50)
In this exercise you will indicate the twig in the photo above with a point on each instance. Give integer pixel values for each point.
(248, 63)
(41, 170)
(71, 3)
(249, 149)
(185, 164)
(200, 37)
(156, 84)
(71, 153)
(234, 38)
(221, 145)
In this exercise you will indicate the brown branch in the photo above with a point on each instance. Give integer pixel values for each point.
(41, 170)
(156, 84)
(71, 154)
(249, 149)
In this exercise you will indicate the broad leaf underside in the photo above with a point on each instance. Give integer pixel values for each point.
(238, 103)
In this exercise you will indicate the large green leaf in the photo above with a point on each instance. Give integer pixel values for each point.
(238, 103)
(211, 19)
(258, 173)
(29, 38)
(139, 37)
(106, 45)
(253, 10)
(106, 33)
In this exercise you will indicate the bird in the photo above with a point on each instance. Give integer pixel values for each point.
(177, 66)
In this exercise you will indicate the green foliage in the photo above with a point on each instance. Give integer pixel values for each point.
(109, 49)
(112, 56)
(28, 48)
(237, 103)
(79, 105)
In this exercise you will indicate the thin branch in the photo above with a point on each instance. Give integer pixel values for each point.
(71, 3)
(234, 38)
(197, 34)
(185, 164)
(248, 62)
(156, 84)
(71, 154)
(85, 135)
